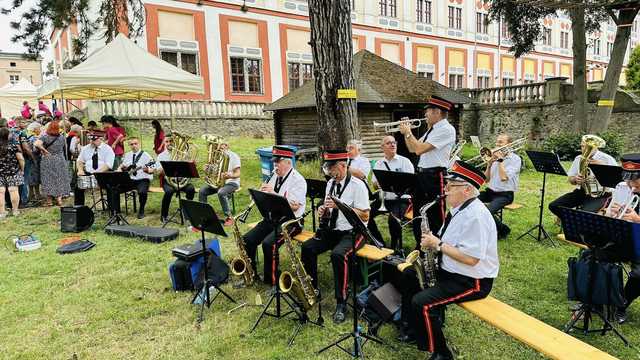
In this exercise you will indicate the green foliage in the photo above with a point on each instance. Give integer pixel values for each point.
(633, 70)
(567, 144)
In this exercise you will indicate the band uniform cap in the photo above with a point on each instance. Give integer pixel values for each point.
(439, 103)
(466, 172)
(96, 134)
(282, 152)
(630, 166)
(332, 156)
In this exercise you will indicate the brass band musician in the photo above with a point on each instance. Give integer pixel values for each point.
(359, 165)
(231, 177)
(138, 163)
(93, 158)
(169, 191)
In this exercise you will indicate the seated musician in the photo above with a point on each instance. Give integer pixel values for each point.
(359, 165)
(286, 182)
(630, 186)
(578, 197)
(335, 232)
(169, 190)
(139, 165)
(503, 174)
(231, 175)
(94, 158)
(396, 206)
(467, 244)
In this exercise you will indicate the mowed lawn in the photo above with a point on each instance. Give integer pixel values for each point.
(116, 302)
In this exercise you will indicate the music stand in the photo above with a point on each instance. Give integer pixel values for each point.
(360, 229)
(607, 175)
(399, 183)
(546, 163)
(179, 170)
(115, 182)
(316, 189)
(598, 233)
(202, 217)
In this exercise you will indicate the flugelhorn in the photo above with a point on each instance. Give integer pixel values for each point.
(627, 201)
(394, 126)
(485, 153)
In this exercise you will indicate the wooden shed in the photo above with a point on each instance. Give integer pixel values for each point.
(386, 92)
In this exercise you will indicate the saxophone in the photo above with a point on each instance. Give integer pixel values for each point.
(241, 265)
(217, 161)
(590, 185)
(425, 267)
(297, 281)
(182, 149)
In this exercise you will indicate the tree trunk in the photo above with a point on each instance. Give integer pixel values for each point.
(122, 17)
(612, 77)
(332, 49)
(580, 118)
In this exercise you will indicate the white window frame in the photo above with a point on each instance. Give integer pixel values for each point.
(181, 47)
(14, 78)
(246, 54)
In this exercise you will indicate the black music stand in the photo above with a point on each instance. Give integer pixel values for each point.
(360, 229)
(179, 170)
(202, 217)
(546, 163)
(316, 189)
(598, 233)
(399, 183)
(607, 175)
(115, 182)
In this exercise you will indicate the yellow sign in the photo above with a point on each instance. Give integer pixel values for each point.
(605, 103)
(347, 93)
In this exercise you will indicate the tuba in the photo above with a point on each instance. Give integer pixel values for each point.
(217, 161)
(183, 149)
(297, 280)
(590, 185)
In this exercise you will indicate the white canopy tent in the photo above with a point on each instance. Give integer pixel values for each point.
(12, 96)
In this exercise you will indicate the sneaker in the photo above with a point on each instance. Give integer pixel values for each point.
(621, 315)
(228, 221)
(340, 314)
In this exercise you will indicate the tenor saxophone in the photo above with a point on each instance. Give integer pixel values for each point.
(297, 280)
(241, 265)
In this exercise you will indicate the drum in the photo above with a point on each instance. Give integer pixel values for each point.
(87, 182)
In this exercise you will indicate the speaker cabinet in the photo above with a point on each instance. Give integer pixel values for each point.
(75, 218)
(385, 301)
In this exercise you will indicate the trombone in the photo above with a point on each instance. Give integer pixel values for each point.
(394, 126)
(485, 153)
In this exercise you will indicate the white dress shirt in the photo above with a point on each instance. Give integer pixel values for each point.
(443, 137)
(355, 195)
(293, 189)
(398, 163)
(472, 231)
(105, 157)
(512, 164)
(605, 158)
(144, 159)
(234, 162)
(361, 163)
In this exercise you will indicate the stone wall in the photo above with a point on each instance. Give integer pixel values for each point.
(262, 128)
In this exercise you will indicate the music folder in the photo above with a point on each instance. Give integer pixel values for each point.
(607, 175)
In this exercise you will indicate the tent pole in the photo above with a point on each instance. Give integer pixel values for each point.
(139, 117)
(62, 100)
(171, 112)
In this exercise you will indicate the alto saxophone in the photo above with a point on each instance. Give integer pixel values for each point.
(241, 265)
(427, 266)
(297, 280)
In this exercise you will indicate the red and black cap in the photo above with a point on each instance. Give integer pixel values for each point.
(440, 103)
(333, 156)
(96, 134)
(466, 172)
(279, 152)
(630, 166)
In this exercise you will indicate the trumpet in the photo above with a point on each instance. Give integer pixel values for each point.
(394, 126)
(485, 153)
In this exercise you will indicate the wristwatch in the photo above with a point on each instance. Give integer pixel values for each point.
(439, 247)
(407, 136)
(500, 160)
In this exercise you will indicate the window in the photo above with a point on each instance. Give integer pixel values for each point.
(595, 43)
(246, 75)
(299, 73)
(527, 81)
(14, 78)
(482, 23)
(423, 11)
(504, 30)
(455, 17)
(546, 37)
(609, 48)
(12, 64)
(507, 82)
(483, 81)
(388, 8)
(455, 81)
(426, 74)
(187, 61)
(564, 39)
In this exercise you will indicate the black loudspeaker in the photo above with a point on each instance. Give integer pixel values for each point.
(75, 218)
(385, 301)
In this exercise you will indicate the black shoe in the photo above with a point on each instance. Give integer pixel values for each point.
(504, 232)
(340, 315)
(407, 338)
(164, 219)
(441, 356)
(621, 315)
(141, 215)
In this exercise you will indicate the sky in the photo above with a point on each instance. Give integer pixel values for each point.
(6, 32)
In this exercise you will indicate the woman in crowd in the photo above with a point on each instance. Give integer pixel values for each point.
(116, 136)
(53, 166)
(11, 170)
(158, 139)
(32, 178)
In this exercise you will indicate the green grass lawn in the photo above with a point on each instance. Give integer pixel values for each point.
(116, 302)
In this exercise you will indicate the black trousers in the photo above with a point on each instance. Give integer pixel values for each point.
(341, 245)
(397, 208)
(271, 239)
(424, 308)
(577, 198)
(496, 201)
(113, 201)
(188, 189)
(429, 184)
(142, 188)
(632, 287)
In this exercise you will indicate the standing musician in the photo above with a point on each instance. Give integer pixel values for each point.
(467, 247)
(631, 177)
(503, 175)
(136, 163)
(335, 232)
(578, 197)
(289, 183)
(169, 191)
(396, 206)
(231, 184)
(359, 165)
(434, 149)
(95, 157)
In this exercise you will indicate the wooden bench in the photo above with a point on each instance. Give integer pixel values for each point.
(512, 206)
(562, 238)
(303, 236)
(370, 256)
(155, 189)
(544, 338)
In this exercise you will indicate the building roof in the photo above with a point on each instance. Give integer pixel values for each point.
(19, 56)
(378, 81)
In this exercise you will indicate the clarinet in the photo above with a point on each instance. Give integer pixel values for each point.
(325, 219)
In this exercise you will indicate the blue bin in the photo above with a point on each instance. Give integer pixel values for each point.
(266, 165)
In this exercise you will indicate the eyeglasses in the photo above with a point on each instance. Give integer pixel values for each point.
(450, 185)
(391, 143)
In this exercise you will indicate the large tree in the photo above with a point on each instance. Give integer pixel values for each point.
(633, 70)
(332, 50)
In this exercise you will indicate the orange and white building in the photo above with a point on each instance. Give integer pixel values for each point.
(257, 50)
